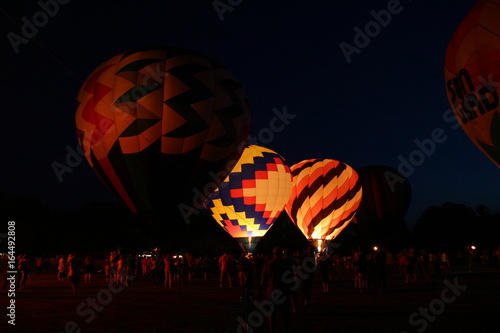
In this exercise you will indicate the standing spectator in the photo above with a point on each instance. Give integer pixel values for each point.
(206, 263)
(407, 265)
(188, 266)
(324, 264)
(39, 265)
(423, 264)
(273, 283)
(291, 261)
(152, 266)
(130, 269)
(107, 270)
(22, 270)
(389, 263)
(224, 266)
(380, 269)
(243, 264)
(432, 263)
(53, 262)
(308, 277)
(61, 269)
(74, 270)
(258, 265)
(361, 264)
(144, 266)
(120, 270)
(88, 268)
(247, 299)
(179, 269)
(444, 261)
(168, 263)
(113, 258)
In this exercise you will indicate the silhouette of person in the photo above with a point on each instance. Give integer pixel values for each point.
(277, 288)
(224, 263)
(75, 265)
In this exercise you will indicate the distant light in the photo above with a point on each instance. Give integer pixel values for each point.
(375, 248)
(473, 247)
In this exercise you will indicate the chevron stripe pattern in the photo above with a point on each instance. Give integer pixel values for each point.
(324, 198)
(153, 121)
(253, 195)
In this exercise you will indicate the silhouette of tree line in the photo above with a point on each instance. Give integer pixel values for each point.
(106, 226)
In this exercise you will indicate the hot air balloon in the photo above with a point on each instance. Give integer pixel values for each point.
(386, 198)
(324, 199)
(252, 196)
(386, 194)
(472, 74)
(161, 126)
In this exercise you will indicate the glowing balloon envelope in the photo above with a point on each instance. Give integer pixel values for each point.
(156, 125)
(472, 73)
(252, 196)
(324, 199)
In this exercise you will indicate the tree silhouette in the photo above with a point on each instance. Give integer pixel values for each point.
(454, 226)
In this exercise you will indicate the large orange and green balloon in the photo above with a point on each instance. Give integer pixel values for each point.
(252, 196)
(160, 126)
(472, 73)
(324, 199)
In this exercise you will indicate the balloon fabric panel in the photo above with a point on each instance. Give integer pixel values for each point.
(325, 196)
(472, 74)
(386, 194)
(253, 195)
(153, 122)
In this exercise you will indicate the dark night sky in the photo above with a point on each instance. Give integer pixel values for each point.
(285, 53)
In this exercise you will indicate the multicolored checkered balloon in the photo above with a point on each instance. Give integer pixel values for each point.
(253, 195)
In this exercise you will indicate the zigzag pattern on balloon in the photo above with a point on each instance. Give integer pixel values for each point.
(160, 110)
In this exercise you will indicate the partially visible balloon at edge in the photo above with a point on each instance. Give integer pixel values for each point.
(472, 75)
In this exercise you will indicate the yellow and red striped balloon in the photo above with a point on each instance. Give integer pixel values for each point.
(325, 196)
(252, 196)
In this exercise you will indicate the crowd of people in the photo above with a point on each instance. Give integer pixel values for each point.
(364, 265)
(260, 276)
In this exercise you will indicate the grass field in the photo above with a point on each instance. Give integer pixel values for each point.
(48, 305)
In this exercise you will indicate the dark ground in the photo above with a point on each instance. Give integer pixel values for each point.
(48, 305)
